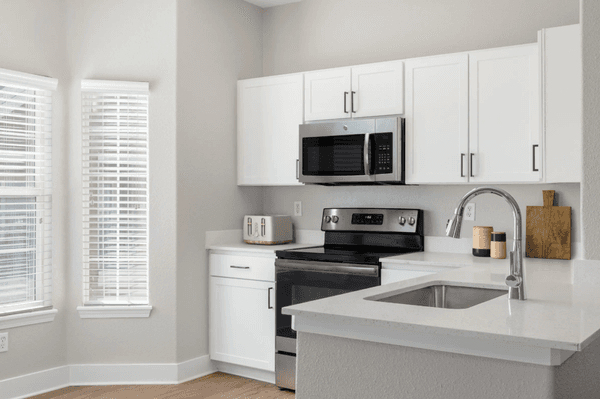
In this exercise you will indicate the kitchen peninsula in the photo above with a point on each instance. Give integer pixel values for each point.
(353, 345)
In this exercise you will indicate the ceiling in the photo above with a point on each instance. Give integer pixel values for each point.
(271, 3)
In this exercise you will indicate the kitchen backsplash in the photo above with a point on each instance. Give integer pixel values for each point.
(438, 202)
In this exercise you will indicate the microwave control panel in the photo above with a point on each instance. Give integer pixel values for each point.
(383, 153)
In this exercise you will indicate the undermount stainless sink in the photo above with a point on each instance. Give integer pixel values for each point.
(445, 296)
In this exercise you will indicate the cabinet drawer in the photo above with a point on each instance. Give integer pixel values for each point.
(247, 267)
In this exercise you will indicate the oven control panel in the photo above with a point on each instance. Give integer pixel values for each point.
(373, 219)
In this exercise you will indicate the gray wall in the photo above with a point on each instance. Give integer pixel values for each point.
(316, 34)
(126, 40)
(32, 40)
(590, 187)
(218, 42)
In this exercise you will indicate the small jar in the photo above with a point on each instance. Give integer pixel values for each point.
(498, 250)
(481, 240)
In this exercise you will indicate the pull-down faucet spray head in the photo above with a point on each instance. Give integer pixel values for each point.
(454, 225)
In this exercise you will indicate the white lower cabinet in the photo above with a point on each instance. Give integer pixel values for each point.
(242, 321)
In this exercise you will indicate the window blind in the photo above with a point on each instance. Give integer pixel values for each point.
(115, 192)
(25, 191)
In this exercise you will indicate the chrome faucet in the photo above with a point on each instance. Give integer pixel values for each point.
(516, 279)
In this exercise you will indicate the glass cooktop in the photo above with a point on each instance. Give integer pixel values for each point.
(343, 254)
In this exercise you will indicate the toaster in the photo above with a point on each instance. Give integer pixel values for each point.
(267, 230)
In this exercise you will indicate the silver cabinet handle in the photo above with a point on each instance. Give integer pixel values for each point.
(269, 298)
(297, 169)
(462, 165)
(366, 155)
(534, 168)
(352, 102)
(239, 267)
(471, 166)
(345, 96)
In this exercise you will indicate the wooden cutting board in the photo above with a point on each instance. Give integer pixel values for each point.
(548, 230)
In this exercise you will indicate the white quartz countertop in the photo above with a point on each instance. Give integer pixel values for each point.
(255, 248)
(443, 259)
(562, 310)
(231, 241)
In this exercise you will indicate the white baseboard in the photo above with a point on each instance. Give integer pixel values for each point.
(105, 374)
(248, 372)
(195, 368)
(35, 383)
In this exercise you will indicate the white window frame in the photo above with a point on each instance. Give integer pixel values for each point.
(39, 310)
(108, 308)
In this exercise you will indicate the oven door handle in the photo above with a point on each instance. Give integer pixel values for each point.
(328, 267)
(367, 155)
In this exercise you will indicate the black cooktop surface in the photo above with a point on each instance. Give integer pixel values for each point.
(367, 255)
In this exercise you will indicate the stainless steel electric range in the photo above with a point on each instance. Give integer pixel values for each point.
(356, 239)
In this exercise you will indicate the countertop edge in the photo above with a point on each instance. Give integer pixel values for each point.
(419, 328)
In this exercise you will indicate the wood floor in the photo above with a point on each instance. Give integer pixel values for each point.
(213, 386)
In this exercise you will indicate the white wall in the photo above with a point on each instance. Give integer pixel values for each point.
(316, 34)
(590, 187)
(32, 40)
(126, 40)
(218, 42)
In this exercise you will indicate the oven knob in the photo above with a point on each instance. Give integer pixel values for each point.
(401, 220)
(327, 219)
(335, 219)
(411, 221)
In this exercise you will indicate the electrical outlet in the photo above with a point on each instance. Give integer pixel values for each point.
(298, 208)
(4, 342)
(469, 211)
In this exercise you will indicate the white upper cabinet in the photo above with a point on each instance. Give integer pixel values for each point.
(327, 94)
(377, 89)
(437, 119)
(561, 90)
(361, 91)
(269, 113)
(504, 108)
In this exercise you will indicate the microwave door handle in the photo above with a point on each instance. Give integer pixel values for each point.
(366, 155)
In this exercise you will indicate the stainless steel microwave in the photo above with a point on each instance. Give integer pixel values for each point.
(365, 151)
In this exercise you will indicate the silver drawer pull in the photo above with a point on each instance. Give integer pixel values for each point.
(239, 267)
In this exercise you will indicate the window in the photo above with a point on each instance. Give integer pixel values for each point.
(115, 193)
(25, 193)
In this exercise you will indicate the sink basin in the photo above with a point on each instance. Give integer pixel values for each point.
(445, 296)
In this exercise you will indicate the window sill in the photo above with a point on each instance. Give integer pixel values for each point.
(28, 318)
(114, 312)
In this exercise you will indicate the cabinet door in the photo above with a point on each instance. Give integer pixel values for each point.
(504, 131)
(242, 322)
(327, 94)
(377, 89)
(561, 57)
(437, 119)
(269, 113)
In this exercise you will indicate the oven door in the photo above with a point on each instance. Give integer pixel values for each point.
(303, 281)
